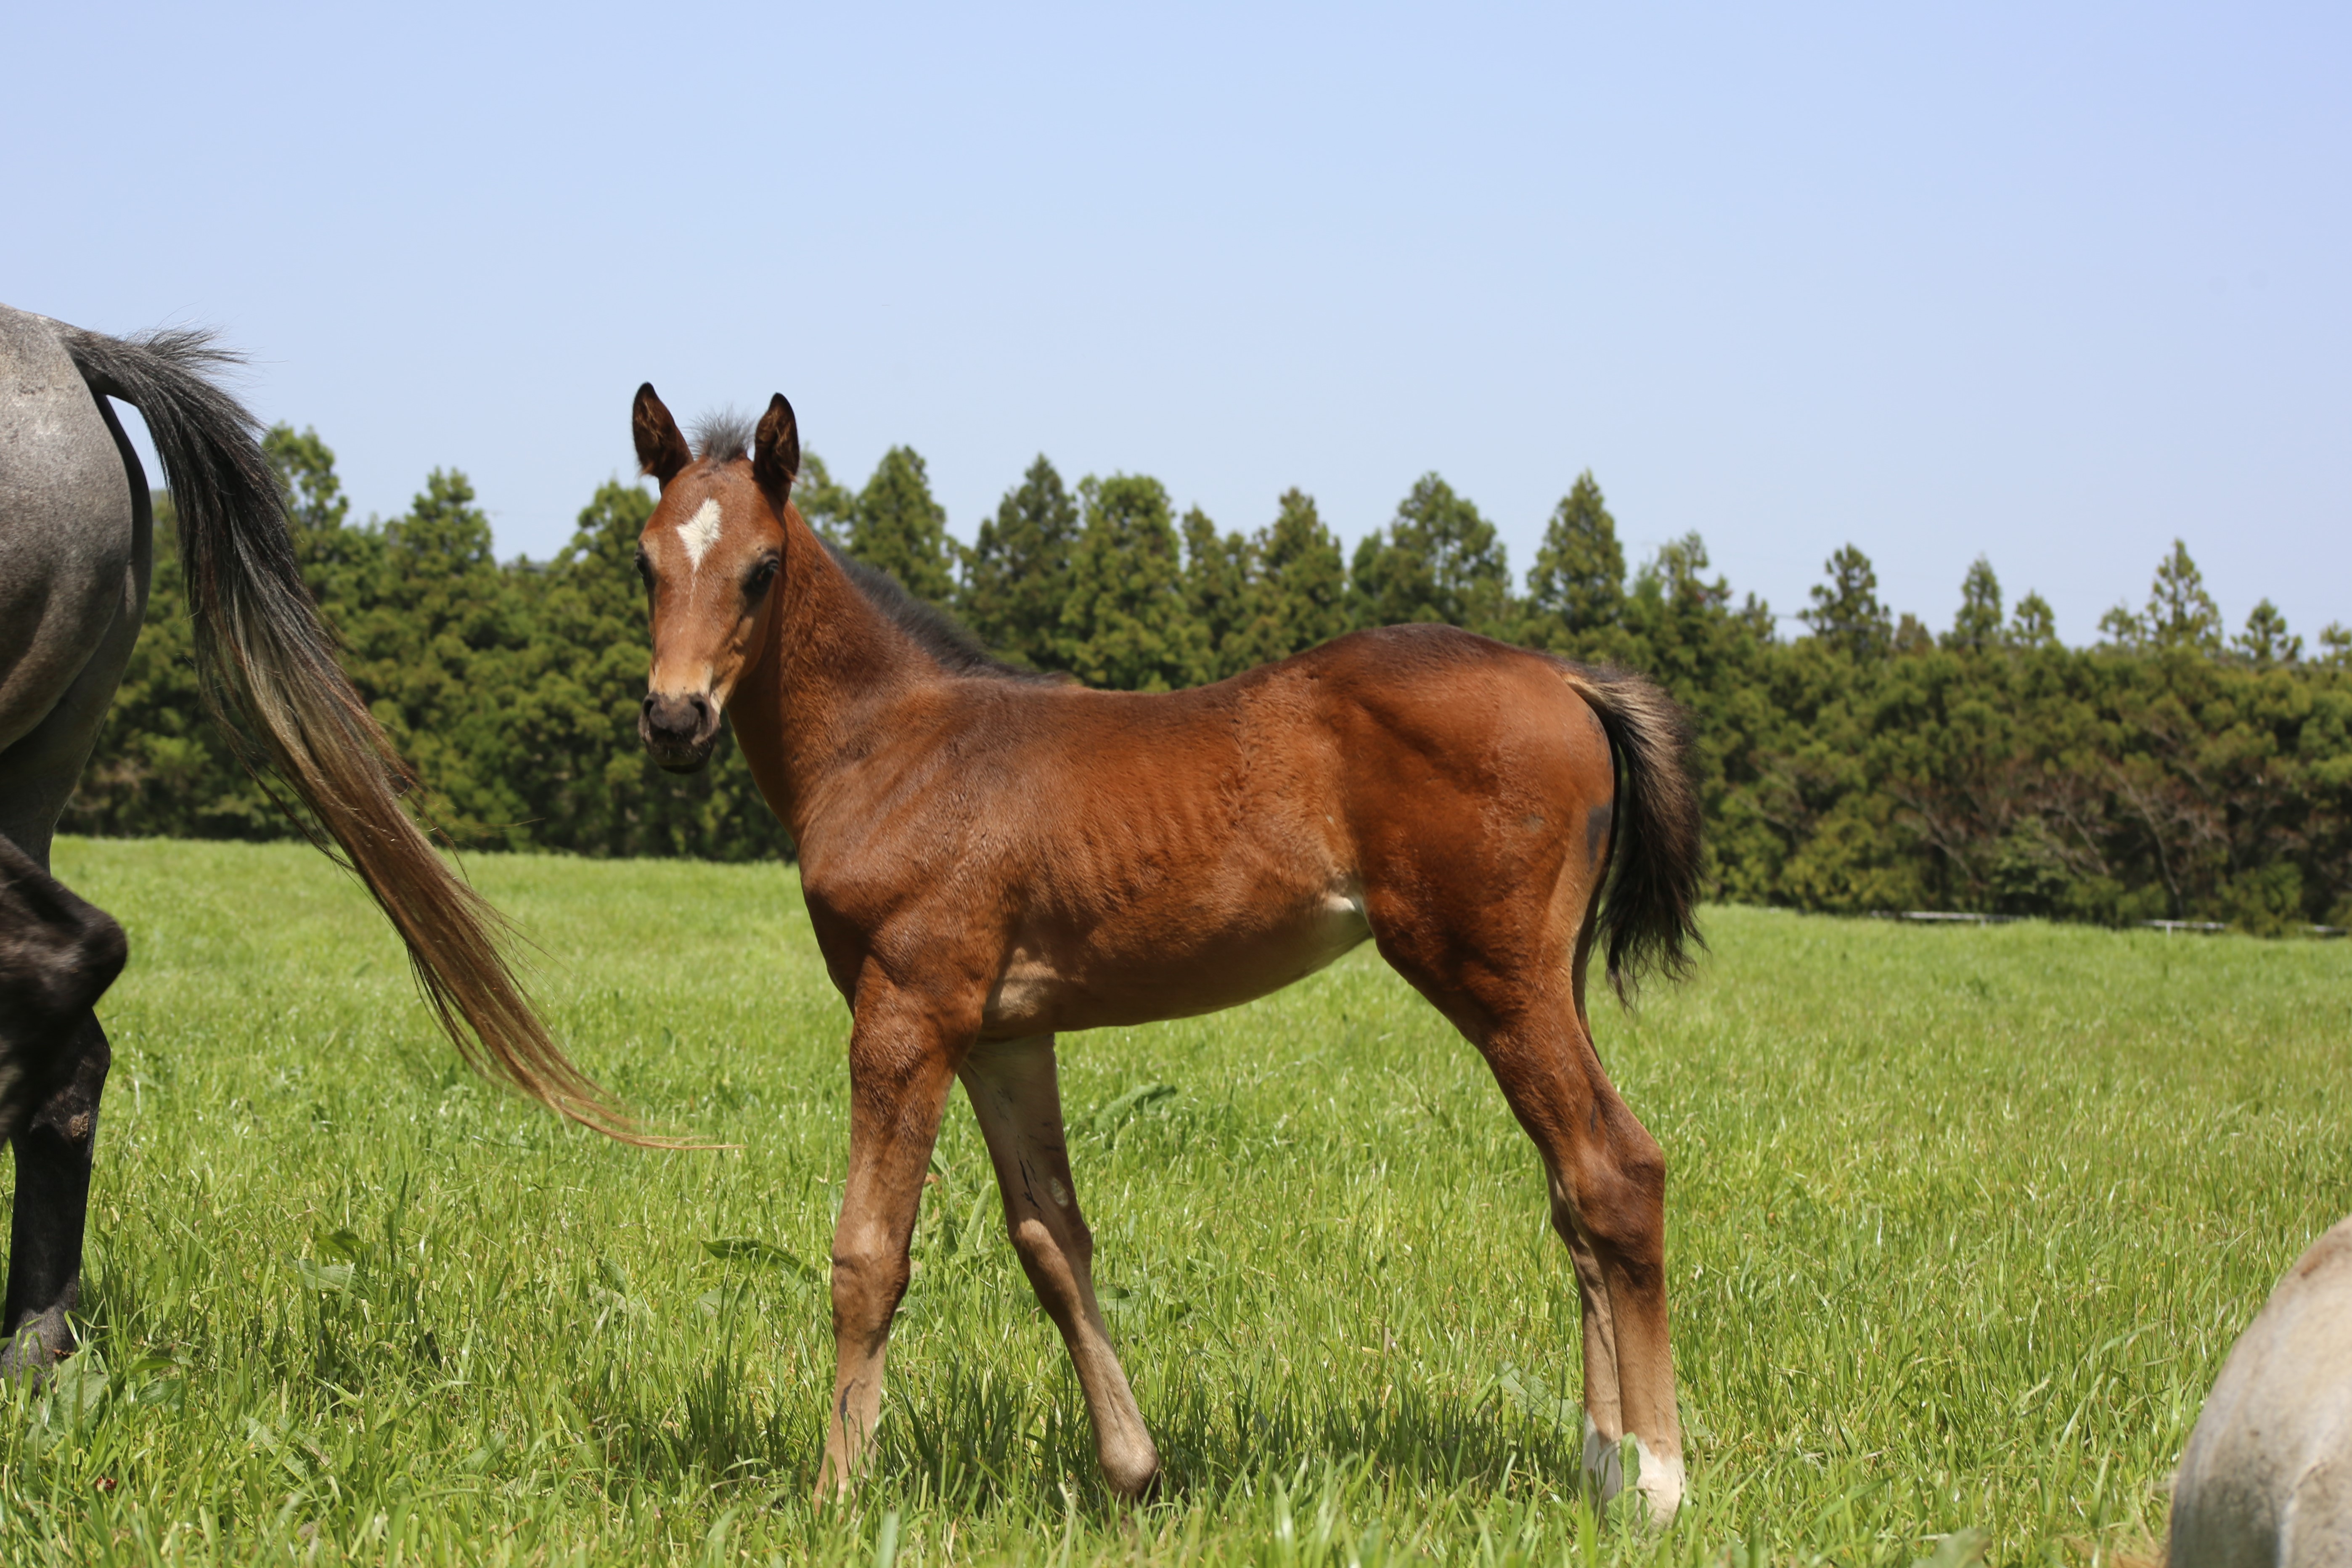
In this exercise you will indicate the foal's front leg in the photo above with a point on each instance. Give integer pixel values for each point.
(1019, 1103)
(900, 1069)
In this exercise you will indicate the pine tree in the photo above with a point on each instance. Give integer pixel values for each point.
(316, 507)
(1978, 624)
(1438, 561)
(899, 529)
(1298, 596)
(2266, 641)
(1125, 622)
(431, 638)
(1017, 573)
(340, 563)
(1217, 573)
(2032, 624)
(1846, 613)
(824, 505)
(2120, 628)
(1578, 587)
(2180, 614)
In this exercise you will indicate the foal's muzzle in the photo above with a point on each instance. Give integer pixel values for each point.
(678, 730)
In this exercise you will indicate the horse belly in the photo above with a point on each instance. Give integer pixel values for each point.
(1142, 971)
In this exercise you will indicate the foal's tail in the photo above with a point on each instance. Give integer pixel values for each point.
(267, 659)
(1649, 914)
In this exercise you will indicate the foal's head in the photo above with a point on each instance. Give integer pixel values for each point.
(709, 555)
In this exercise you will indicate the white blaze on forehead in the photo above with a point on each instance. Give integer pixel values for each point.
(699, 534)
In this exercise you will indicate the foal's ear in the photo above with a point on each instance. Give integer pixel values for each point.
(661, 450)
(776, 451)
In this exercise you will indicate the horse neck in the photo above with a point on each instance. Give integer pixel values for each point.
(834, 669)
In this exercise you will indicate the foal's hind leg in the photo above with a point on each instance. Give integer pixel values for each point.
(58, 955)
(1607, 1175)
(1019, 1103)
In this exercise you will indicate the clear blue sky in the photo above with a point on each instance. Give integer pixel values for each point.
(2050, 283)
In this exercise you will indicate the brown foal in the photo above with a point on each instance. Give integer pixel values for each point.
(992, 857)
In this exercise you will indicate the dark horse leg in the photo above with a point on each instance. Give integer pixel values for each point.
(57, 956)
(45, 1233)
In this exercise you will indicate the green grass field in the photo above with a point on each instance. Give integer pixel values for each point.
(1962, 1222)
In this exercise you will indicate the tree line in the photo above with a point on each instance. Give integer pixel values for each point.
(2171, 770)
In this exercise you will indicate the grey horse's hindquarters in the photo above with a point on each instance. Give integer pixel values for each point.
(75, 553)
(2267, 1476)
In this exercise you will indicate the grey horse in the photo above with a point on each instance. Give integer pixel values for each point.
(2266, 1481)
(76, 546)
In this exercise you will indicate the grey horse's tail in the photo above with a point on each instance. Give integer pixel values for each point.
(268, 660)
(1649, 915)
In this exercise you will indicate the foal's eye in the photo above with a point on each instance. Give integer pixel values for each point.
(644, 568)
(762, 576)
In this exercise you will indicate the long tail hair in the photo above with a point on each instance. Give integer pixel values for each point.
(267, 661)
(1649, 913)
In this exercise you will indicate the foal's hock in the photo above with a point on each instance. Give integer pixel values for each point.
(992, 857)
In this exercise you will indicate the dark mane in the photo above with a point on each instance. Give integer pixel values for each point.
(722, 436)
(937, 633)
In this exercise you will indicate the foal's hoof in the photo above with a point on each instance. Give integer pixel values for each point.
(1657, 1481)
(1604, 1467)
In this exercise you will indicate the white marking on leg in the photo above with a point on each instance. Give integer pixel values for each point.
(1061, 1193)
(1660, 1482)
(699, 534)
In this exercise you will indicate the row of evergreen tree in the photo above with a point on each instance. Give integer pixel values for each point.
(2171, 770)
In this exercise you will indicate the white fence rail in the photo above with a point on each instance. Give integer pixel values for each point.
(1963, 917)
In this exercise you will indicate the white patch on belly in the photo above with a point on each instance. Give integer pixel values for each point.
(699, 534)
(1344, 923)
(1025, 989)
